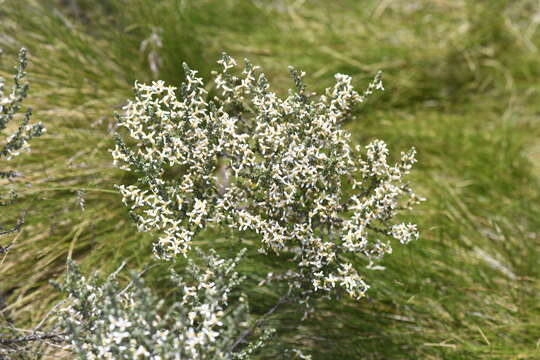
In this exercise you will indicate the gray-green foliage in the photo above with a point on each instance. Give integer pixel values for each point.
(17, 140)
(16, 134)
(10, 105)
(205, 320)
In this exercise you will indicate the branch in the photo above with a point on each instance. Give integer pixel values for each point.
(9, 174)
(379, 230)
(30, 338)
(260, 321)
(16, 228)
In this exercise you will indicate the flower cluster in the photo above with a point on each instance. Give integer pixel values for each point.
(104, 321)
(281, 168)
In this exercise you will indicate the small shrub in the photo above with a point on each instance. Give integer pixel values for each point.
(281, 168)
(12, 342)
(205, 321)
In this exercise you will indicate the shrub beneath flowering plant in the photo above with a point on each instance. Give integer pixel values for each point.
(204, 321)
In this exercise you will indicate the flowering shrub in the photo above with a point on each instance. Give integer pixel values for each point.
(18, 140)
(204, 322)
(11, 342)
(282, 168)
(10, 105)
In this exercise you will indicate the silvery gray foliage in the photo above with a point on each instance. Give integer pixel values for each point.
(204, 321)
(10, 105)
(281, 168)
(18, 139)
(16, 132)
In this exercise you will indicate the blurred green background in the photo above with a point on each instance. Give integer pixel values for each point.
(462, 86)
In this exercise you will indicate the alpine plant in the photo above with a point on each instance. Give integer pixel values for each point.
(204, 321)
(15, 132)
(10, 105)
(282, 169)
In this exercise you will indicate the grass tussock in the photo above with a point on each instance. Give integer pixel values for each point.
(461, 86)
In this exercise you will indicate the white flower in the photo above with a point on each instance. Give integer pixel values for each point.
(404, 233)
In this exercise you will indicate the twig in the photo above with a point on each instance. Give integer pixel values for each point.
(42, 322)
(139, 275)
(260, 321)
(29, 338)
(16, 228)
